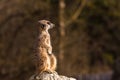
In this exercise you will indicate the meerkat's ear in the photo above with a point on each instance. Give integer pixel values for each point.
(42, 26)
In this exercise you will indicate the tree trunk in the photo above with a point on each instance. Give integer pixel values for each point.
(62, 33)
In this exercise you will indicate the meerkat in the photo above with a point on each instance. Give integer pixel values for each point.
(45, 59)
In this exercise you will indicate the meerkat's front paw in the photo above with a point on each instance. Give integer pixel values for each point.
(49, 52)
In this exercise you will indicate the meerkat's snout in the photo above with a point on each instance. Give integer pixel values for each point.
(52, 25)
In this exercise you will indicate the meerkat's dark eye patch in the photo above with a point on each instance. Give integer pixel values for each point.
(48, 22)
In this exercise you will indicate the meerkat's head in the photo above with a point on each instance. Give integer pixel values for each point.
(46, 25)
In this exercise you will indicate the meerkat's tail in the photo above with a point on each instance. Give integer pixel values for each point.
(53, 62)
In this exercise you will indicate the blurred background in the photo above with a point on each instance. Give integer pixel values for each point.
(86, 39)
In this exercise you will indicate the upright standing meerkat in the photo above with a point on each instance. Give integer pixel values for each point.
(45, 59)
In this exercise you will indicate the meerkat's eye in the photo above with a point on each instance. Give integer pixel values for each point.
(48, 22)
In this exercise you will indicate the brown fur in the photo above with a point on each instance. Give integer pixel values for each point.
(45, 60)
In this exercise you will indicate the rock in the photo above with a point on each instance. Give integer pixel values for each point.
(50, 76)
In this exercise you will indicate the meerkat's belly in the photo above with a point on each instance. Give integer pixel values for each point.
(43, 61)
